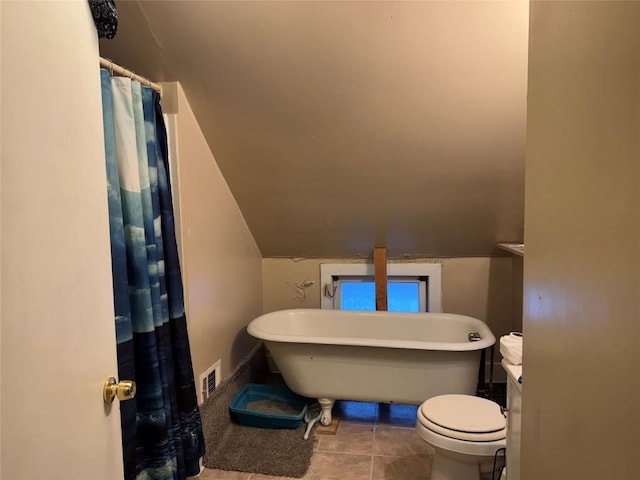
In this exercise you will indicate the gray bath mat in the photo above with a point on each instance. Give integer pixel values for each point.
(277, 452)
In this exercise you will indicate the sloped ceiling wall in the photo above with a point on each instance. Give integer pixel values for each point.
(340, 126)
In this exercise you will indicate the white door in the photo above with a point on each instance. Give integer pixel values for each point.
(57, 328)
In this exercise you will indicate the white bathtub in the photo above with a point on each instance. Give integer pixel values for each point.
(373, 356)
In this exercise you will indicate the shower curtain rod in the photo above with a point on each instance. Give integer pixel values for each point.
(114, 67)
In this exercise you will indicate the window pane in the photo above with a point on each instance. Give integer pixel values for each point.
(403, 297)
(357, 295)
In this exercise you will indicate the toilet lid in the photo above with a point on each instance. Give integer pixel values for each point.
(464, 417)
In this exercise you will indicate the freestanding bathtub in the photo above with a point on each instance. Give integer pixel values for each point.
(373, 356)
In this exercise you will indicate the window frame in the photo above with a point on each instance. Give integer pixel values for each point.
(331, 272)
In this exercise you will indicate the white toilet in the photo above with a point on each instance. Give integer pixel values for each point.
(465, 432)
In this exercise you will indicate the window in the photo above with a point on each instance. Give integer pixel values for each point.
(410, 287)
(404, 294)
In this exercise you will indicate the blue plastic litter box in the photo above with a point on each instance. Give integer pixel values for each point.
(241, 412)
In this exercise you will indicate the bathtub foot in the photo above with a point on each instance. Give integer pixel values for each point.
(327, 405)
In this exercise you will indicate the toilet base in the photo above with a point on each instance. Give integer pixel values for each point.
(458, 459)
(445, 468)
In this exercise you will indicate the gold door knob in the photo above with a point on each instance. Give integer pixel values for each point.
(124, 390)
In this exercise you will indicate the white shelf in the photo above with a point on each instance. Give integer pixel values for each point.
(515, 248)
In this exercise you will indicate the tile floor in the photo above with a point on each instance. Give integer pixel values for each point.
(373, 442)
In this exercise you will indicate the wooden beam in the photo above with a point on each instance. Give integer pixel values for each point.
(380, 275)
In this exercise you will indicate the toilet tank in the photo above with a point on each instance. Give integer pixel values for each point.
(514, 405)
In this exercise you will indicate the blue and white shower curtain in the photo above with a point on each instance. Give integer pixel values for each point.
(161, 427)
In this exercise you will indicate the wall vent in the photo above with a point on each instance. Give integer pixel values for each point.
(210, 380)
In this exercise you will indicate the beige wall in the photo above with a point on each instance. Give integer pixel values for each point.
(479, 287)
(581, 391)
(222, 266)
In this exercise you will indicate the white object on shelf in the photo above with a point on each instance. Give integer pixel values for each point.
(515, 248)
(511, 348)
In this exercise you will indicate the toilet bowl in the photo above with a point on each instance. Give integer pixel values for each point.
(464, 431)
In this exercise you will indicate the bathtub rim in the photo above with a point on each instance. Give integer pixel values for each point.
(487, 340)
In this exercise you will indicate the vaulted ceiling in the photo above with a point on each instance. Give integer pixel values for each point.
(340, 126)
